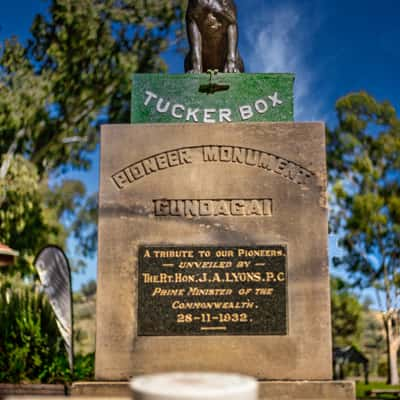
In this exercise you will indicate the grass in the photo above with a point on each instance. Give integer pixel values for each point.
(362, 389)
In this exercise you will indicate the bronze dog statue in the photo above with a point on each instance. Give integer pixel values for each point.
(213, 37)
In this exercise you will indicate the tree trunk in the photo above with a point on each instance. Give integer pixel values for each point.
(392, 347)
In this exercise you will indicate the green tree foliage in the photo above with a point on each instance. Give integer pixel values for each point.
(30, 344)
(84, 367)
(373, 341)
(347, 314)
(76, 70)
(31, 347)
(73, 74)
(26, 221)
(364, 163)
(89, 289)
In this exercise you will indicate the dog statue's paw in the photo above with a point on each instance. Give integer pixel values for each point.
(231, 67)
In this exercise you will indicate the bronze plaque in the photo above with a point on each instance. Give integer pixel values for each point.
(212, 290)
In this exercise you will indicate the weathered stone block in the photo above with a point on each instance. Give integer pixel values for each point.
(276, 390)
(254, 196)
(307, 390)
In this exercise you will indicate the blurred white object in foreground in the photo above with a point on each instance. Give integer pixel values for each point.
(194, 386)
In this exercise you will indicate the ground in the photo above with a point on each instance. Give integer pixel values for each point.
(362, 389)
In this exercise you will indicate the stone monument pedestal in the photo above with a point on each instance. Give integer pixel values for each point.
(213, 256)
(274, 390)
(213, 251)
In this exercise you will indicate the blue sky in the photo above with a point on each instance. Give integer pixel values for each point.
(333, 46)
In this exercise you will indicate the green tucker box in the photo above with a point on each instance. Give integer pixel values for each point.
(212, 98)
